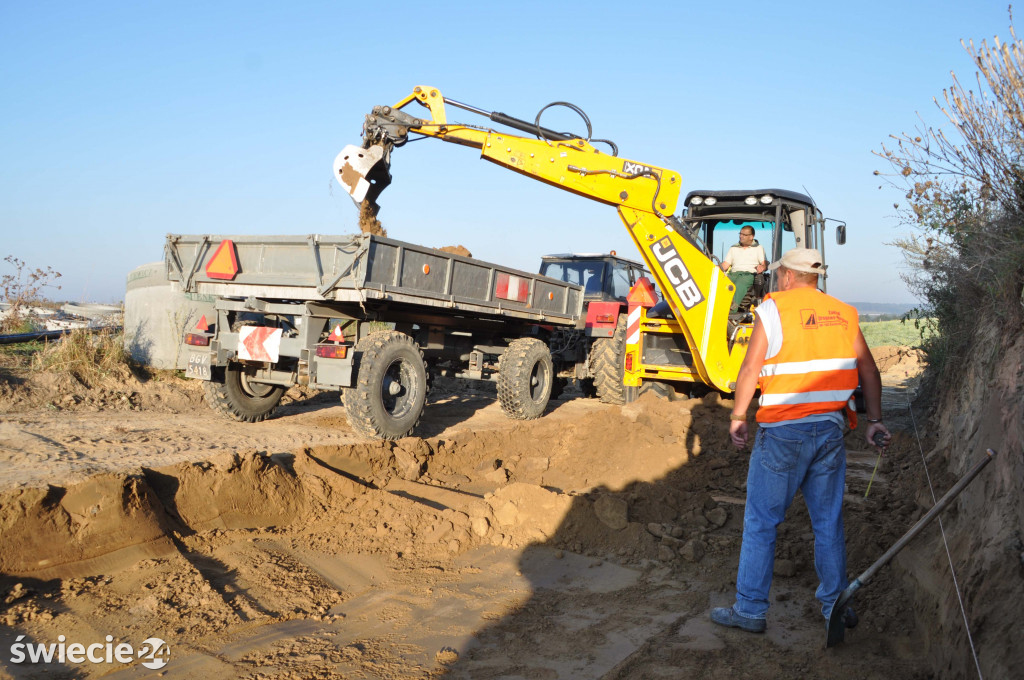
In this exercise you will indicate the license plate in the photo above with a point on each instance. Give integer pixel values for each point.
(198, 366)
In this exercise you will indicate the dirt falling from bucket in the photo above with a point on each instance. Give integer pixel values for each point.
(368, 222)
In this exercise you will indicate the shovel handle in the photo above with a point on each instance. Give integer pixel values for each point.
(939, 506)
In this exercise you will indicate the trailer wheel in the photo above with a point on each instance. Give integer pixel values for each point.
(390, 387)
(525, 375)
(239, 399)
(608, 365)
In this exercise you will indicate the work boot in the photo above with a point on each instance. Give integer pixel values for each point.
(727, 616)
(850, 618)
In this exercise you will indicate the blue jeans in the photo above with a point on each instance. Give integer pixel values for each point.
(806, 456)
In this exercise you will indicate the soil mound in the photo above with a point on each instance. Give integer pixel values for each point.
(26, 390)
(456, 250)
(899, 361)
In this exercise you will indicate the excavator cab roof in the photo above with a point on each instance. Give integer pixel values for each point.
(697, 201)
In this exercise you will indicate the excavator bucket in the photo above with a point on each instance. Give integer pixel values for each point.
(363, 172)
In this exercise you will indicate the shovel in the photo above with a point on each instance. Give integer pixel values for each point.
(836, 625)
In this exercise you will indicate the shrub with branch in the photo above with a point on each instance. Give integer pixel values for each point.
(20, 289)
(963, 187)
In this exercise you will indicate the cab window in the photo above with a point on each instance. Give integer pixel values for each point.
(622, 281)
(720, 235)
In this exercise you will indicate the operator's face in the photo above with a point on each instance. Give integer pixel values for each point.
(746, 237)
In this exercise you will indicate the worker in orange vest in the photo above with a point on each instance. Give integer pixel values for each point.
(807, 355)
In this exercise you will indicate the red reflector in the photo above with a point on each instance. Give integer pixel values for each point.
(197, 340)
(332, 351)
(224, 263)
(202, 325)
(629, 361)
(606, 318)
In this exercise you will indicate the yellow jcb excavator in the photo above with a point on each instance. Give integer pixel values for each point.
(695, 340)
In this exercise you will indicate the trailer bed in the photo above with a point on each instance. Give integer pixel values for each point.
(365, 269)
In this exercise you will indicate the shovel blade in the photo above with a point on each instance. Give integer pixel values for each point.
(361, 171)
(836, 622)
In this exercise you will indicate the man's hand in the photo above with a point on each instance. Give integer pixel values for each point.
(873, 431)
(738, 433)
(760, 268)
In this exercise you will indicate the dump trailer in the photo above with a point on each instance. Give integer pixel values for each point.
(372, 316)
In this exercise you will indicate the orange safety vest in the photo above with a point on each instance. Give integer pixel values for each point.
(815, 371)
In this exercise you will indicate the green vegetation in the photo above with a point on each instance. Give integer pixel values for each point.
(19, 355)
(896, 332)
(964, 206)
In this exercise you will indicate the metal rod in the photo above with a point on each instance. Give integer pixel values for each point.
(512, 122)
(466, 107)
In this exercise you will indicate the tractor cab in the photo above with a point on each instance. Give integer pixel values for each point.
(606, 281)
(604, 277)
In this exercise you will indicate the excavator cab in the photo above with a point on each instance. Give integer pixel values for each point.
(712, 220)
(781, 220)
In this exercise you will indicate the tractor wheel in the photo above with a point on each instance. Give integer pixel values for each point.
(238, 398)
(608, 365)
(390, 386)
(525, 376)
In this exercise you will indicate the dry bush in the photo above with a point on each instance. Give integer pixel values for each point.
(22, 288)
(964, 203)
(86, 355)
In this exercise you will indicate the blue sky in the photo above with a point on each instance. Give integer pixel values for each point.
(124, 121)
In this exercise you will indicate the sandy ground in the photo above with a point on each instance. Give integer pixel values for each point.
(590, 543)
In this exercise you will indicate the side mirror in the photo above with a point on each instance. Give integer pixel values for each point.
(841, 233)
(840, 229)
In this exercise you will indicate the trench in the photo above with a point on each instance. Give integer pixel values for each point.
(541, 549)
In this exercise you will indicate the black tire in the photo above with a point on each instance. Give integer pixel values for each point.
(525, 376)
(608, 365)
(662, 390)
(390, 386)
(239, 399)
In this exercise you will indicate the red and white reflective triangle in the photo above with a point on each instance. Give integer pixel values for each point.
(337, 335)
(259, 343)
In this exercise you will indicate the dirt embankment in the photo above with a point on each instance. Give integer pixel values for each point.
(984, 528)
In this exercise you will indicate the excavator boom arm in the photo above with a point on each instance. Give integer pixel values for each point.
(646, 197)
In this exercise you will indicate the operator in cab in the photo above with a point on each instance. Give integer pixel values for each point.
(743, 261)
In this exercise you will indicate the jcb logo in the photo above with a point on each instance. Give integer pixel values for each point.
(677, 273)
(631, 168)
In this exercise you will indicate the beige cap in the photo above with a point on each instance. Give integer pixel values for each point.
(807, 260)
